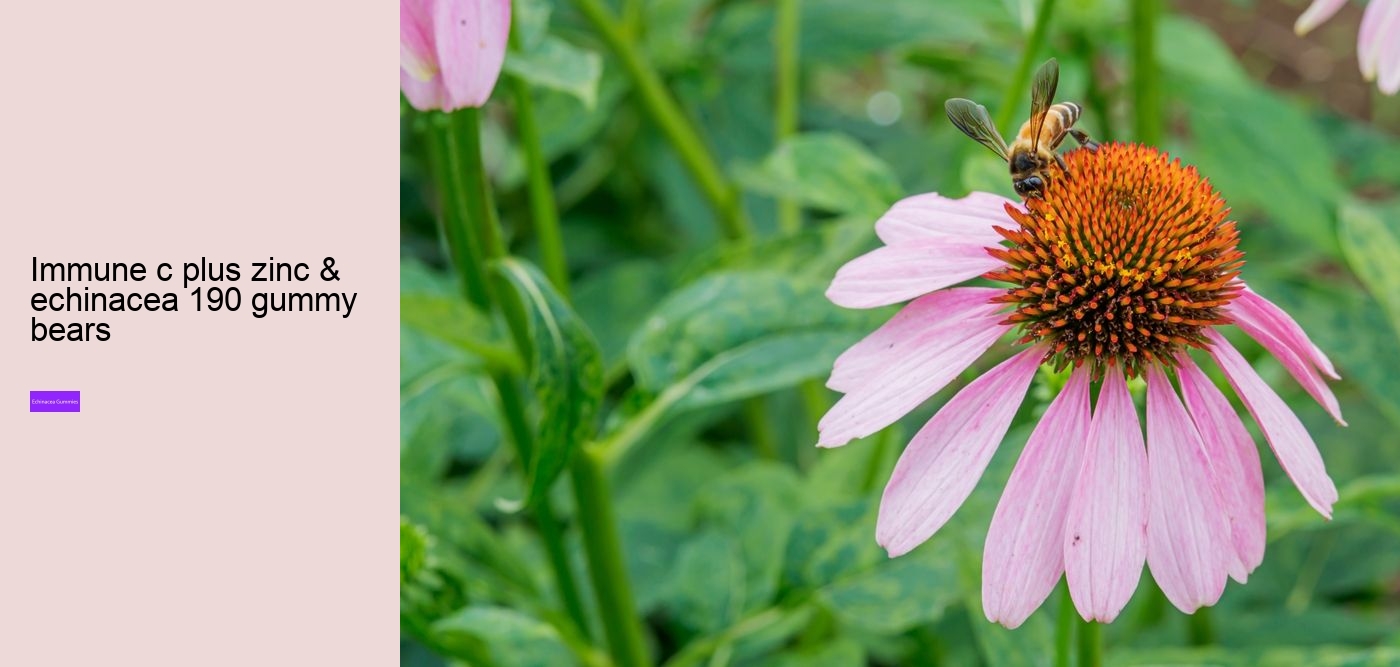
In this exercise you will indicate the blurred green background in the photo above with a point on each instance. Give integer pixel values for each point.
(743, 543)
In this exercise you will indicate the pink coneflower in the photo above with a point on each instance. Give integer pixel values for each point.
(1377, 42)
(451, 51)
(1119, 269)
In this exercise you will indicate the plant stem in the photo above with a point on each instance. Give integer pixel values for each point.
(606, 567)
(1020, 84)
(543, 210)
(467, 177)
(513, 408)
(1200, 630)
(667, 114)
(1064, 628)
(760, 429)
(1090, 644)
(597, 521)
(1147, 112)
(452, 220)
(785, 114)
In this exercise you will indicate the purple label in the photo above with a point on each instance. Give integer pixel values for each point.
(54, 401)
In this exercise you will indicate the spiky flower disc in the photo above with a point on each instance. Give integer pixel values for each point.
(1125, 260)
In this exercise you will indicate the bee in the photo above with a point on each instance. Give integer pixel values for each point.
(1033, 151)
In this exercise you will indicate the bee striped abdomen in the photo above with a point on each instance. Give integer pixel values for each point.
(1067, 113)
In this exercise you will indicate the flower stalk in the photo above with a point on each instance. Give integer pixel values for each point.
(464, 184)
(597, 520)
(1147, 100)
(1090, 643)
(666, 113)
(1022, 80)
(785, 106)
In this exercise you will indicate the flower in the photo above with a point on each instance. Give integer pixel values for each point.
(1119, 269)
(1377, 42)
(451, 51)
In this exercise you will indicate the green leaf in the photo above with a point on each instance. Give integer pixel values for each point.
(558, 65)
(756, 504)
(708, 588)
(838, 652)
(725, 311)
(503, 637)
(566, 373)
(829, 172)
(455, 322)
(1235, 130)
(896, 595)
(1370, 239)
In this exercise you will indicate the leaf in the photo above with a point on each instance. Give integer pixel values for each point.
(558, 65)
(1211, 59)
(455, 322)
(566, 373)
(723, 312)
(829, 172)
(1370, 240)
(708, 583)
(756, 504)
(500, 636)
(896, 595)
(615, 301)
(1235, 130)
(838, 652)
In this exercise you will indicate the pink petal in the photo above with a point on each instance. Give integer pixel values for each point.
(1316, 13)
(945, 459)
(1025, 549)
(1106, 530)
(933, 215)
(471, 40)
(901, 272)
(932, 315)
(1291, 356)
(1235, 461)
(1389, 65)
(423, 95)
(1188, 532)
(417, 53)
(926, 364)
(1292, 445)
(1263, 314)
(1378, 24)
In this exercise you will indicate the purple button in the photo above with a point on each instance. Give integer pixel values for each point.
(54, 401)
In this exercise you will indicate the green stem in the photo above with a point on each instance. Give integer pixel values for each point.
(453, 218)
(1064, 628)
(1200, 630)
(603, 545)
(760, 429)
(543, 210)
(1147, 112)
(513, 409)
(1090, 644)
(667, 114)
(461, 158)
(597, 522)
(1020, 84)
(785, 114)
(873, 465)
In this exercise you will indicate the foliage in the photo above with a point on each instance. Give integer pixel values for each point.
(689, 365)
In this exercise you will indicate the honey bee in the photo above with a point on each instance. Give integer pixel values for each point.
(1033, 151)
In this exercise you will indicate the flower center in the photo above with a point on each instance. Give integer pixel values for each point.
(1123, 261)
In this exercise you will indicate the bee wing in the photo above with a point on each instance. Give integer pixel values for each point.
(972, 119)
(1043, 86)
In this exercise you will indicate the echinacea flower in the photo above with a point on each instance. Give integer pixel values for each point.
(451, 51)
(1377, 42)
(1121, 267)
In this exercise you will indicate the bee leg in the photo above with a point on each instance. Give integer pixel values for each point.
(1060, 160)
(1083, 138)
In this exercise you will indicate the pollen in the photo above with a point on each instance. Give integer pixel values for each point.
(1124, 260)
